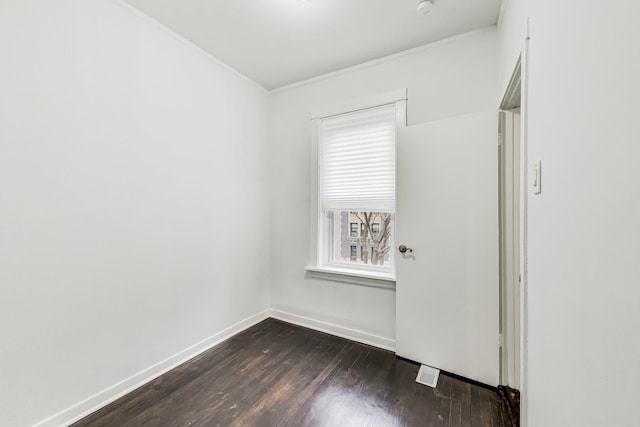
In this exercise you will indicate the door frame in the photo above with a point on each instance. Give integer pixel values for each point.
(518, 90)
(509, 232)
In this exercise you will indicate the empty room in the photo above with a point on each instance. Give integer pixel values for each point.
(319, 213)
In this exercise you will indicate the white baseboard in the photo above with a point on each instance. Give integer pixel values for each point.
(340, 331)
(103, 398)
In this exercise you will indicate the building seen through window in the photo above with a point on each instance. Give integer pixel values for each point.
(365, 237)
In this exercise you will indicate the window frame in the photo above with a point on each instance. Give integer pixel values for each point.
(318, 242)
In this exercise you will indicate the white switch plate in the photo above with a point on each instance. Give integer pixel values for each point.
(536, 184)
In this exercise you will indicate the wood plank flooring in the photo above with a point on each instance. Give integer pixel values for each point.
(278, 374)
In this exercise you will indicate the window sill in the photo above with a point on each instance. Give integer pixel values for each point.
(355, 277)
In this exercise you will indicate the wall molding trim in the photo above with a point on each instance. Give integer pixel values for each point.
(384, 59)
(149, 20)
(501, 12)
(340, 331)
(103, 398)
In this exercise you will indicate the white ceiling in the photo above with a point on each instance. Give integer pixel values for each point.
(279, 42)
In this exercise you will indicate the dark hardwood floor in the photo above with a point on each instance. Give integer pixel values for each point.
(278, 374)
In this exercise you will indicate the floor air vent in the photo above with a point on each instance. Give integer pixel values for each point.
(428, 376)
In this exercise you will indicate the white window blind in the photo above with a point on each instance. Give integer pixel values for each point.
(357, 160)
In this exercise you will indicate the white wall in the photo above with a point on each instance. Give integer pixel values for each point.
(133, 189)
(133, 192)
(584, 229)
(511, 41)
(449, 78)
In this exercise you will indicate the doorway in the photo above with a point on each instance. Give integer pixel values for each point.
(509, 214)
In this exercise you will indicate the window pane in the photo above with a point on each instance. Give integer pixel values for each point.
(356, 177)
(370, 247)
(375, 228)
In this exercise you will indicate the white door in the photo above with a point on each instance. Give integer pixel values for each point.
(447, 294)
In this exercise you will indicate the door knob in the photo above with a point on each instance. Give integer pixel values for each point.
(403, 249)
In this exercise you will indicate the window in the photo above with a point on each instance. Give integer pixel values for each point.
(375, 228)
(356, 162)
(353, 181)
